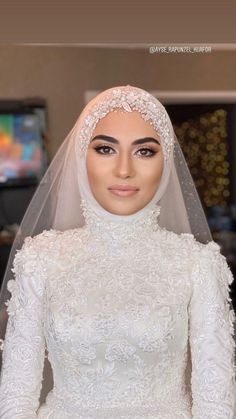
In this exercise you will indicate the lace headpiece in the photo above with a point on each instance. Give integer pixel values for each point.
(57, 201)
(129, 99)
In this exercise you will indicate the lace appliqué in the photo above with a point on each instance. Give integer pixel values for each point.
(24, 345)
(116, 326)
(212, 337)
(129, 98)
(146, 224)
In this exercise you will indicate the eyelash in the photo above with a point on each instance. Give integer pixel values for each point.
(98, 148)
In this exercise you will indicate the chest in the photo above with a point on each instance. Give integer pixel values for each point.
(106, 294)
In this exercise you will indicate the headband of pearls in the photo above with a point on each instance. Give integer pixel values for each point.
(129, 98)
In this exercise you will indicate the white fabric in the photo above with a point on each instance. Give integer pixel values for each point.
(120, 317)
(117, 300)
(56, 203)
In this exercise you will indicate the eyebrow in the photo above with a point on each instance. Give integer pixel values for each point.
(115, 141)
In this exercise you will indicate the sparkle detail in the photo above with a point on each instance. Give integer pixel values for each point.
(130, 99)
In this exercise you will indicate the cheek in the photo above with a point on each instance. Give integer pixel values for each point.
(95, 169)
(152, 173)
(91, 167)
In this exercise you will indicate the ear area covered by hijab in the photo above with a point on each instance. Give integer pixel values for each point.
(57, 201)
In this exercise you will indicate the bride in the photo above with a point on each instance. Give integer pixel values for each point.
(117, 278)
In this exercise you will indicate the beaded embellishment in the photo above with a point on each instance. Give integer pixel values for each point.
(129, 98)
(146, 223)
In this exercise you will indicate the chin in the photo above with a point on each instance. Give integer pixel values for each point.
(119, 206)
(122, 211)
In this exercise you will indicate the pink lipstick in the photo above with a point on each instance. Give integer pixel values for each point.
(123, 190)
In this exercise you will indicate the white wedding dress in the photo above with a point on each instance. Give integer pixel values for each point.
(119, 308)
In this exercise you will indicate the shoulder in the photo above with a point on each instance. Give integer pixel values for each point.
(28, 257)
(210, 266)
(185, 245)
(46, 245)
(51, 239)
(35, 242)
(189, 241)
(204, 262)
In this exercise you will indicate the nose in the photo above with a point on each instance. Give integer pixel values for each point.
(124, 166)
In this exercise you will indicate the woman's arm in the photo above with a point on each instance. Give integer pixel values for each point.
(24, 345)
(211, 335)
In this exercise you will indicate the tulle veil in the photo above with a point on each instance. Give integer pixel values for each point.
(56, 202)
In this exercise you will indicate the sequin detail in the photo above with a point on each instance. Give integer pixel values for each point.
(117, 318)
(126, 230)
(129, 99)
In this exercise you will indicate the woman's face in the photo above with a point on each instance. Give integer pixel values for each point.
(124, 151)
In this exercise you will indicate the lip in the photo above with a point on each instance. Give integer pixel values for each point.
(123, 188)
(121, 192)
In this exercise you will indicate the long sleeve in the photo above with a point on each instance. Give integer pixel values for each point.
(24, 344)
(211, 335)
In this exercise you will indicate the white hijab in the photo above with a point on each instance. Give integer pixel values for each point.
(58, 198)
(181, 210)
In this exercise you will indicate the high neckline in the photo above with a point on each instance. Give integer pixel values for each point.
(106, 224)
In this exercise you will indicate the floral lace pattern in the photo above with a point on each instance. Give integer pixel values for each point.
(129, 99)
(117, 323)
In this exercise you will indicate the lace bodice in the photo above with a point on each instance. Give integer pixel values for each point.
(136, 321)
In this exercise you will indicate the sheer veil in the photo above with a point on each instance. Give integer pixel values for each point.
(56, 203)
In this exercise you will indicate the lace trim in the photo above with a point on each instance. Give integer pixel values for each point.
(152, 409)
(102, 226)
(129, 98)
(212, 336)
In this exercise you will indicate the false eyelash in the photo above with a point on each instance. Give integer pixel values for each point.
(149, 149)
(143, 148)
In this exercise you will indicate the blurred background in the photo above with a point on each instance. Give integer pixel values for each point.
(43, 89)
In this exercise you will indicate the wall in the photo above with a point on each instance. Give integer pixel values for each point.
(62, 74)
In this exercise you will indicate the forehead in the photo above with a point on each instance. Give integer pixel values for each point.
(120, 123)
(128, 101)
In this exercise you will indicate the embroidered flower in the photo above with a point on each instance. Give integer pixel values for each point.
(119, 351)
(129, 98)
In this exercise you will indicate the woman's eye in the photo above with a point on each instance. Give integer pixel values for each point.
(145, 150)
(104, 148)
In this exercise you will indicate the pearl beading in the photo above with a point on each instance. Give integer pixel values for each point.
(124, 230)
(153, 409)
(129, 98)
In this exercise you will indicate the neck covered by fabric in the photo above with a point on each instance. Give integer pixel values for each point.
(104, 223)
